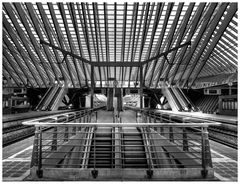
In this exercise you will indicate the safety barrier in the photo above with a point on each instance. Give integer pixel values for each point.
(77, 150)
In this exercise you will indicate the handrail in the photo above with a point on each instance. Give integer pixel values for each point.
(123, 124)
(75, 112)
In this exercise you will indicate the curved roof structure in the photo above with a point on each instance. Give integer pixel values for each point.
(174, 43)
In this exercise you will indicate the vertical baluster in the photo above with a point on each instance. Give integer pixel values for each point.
(39, 169)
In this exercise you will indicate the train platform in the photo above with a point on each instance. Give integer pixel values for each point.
(17, 157)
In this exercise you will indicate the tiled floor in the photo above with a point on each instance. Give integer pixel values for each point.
(16, 167)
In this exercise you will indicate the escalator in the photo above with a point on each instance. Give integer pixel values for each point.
(53, 98)
(103, 145)
(186, 99)
(50, 98)
(133, 155)
(58, 99)
(175, 99)
(180, 98)
(45, 98)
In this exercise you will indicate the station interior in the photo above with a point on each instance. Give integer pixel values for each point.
(119, 91)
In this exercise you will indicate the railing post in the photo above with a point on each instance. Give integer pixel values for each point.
(80, 120)
(185, 140)
(171, 138)
(94, 172)
(39, 169)
(206, 154)
(161, 128)
(74, 127)
(149, 171)
(34, 161)
(54, 138)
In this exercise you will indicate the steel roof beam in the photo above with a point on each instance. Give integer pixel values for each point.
(137, 39)
(84, 27)
(60, 39)
(145, 28)
(35, 21)
(159, 10)
(130, 40)
(17, 58)
(169, 40)
(134, 22)
(154, 29)
(25, 43)
(182, 29)
(204, 26)
(100, 41)
(207, 38)
(69, 40)
(76, 29)
(9, 59)
(160, 40)
(106, 37)
(35, 44)
(6, 68)
(115, 38)
(123, 40)
(22, 52)
(194, 23)
(227, 18)
(96, 47)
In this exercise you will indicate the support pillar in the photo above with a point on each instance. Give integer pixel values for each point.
(141, 87)
(92, 85)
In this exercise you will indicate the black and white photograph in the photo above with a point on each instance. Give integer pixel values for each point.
(119, 91)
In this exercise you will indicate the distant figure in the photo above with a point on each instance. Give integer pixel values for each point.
(189, 107)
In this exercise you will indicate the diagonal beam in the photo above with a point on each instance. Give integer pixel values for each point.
(194, 23)
(95, 46)
(25, 43)
(16, 70)
(69, 39)
(151, 39)
(182, 30)
(40, 34)
(144, 34)
(227, 18)
(169, 40)
(160, 39)
(61, 39)
(135, 45)
(134, 23)
(158, 14)
(6, 68)
(76, 29)
(206, 19)
(206, 39)
(34, 42)
(22, 52)
(17, 58)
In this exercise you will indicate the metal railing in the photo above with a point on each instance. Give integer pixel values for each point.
(167, 144)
